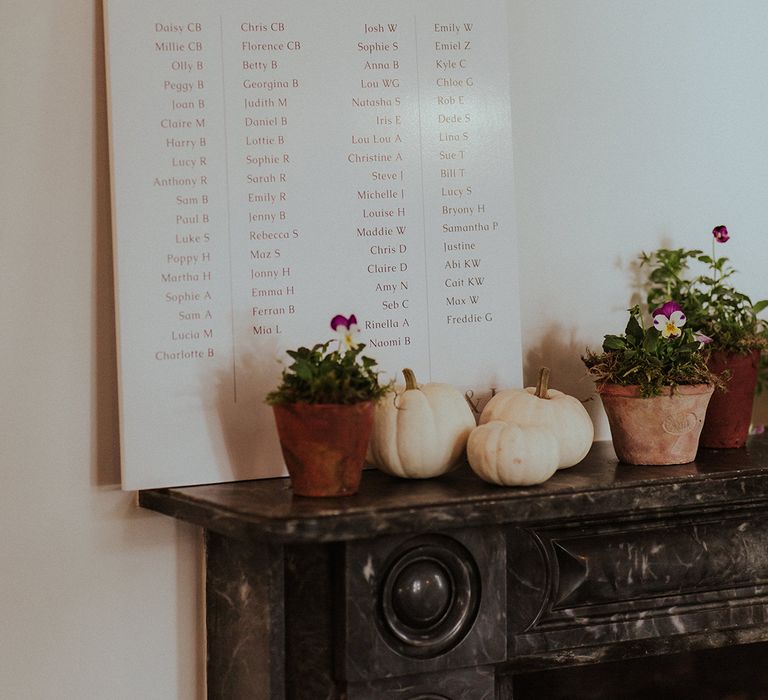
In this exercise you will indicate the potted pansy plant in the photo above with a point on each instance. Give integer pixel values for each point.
(323, 409)
(728, 317)
(655, 386)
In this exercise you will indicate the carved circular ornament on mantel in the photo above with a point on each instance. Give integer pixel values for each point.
(429, 596)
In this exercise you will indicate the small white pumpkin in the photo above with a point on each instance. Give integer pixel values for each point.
(506, 454)
(420, 431)
(564, 416)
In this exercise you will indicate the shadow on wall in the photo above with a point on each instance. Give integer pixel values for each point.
(638, 276)
(638, 273)
(561, 349)
(243, 413)
(105, 470)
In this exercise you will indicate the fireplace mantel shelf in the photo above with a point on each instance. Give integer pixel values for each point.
(310, 598)
(267, 510)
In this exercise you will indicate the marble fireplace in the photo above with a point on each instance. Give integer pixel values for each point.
(607, 581)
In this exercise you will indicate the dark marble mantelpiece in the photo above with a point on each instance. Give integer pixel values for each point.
(330, 598)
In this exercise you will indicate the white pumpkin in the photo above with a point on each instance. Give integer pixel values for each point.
(564, 416)
(420, 431)
(506, 454)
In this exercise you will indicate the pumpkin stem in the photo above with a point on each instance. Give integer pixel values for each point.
(543, 384)
(410, 379)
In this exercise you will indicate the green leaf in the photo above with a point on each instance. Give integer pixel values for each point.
(634, 329)
(613, 342)
(303, 369)
(650, 342)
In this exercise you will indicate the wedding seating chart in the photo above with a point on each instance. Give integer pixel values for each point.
(277, 163)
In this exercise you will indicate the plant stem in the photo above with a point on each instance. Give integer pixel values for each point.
(543, 383)
(715, 275)
(410, 379)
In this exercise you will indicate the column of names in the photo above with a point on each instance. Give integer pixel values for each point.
(265, 163)
(463, 212)
(180, 183)
(384, 198)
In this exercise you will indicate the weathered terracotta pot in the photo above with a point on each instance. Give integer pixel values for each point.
(661, 429)
(324, 445)
(730, 412)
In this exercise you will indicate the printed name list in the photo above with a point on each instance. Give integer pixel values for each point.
(276, 165)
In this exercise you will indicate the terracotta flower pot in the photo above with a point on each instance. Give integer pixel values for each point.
(660, 429)
(324, 445)
(730, 412)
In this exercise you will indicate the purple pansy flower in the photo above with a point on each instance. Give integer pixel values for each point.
(701, 338)
(668, 308)
(668, 319)
(720, 233)
(346, 327)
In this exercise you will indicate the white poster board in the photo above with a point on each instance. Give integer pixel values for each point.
(277, 163)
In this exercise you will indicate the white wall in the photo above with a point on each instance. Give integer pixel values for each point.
(98, 599)
(636, 124)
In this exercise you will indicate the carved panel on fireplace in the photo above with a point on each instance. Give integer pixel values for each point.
(423, 604)
(604, 583)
